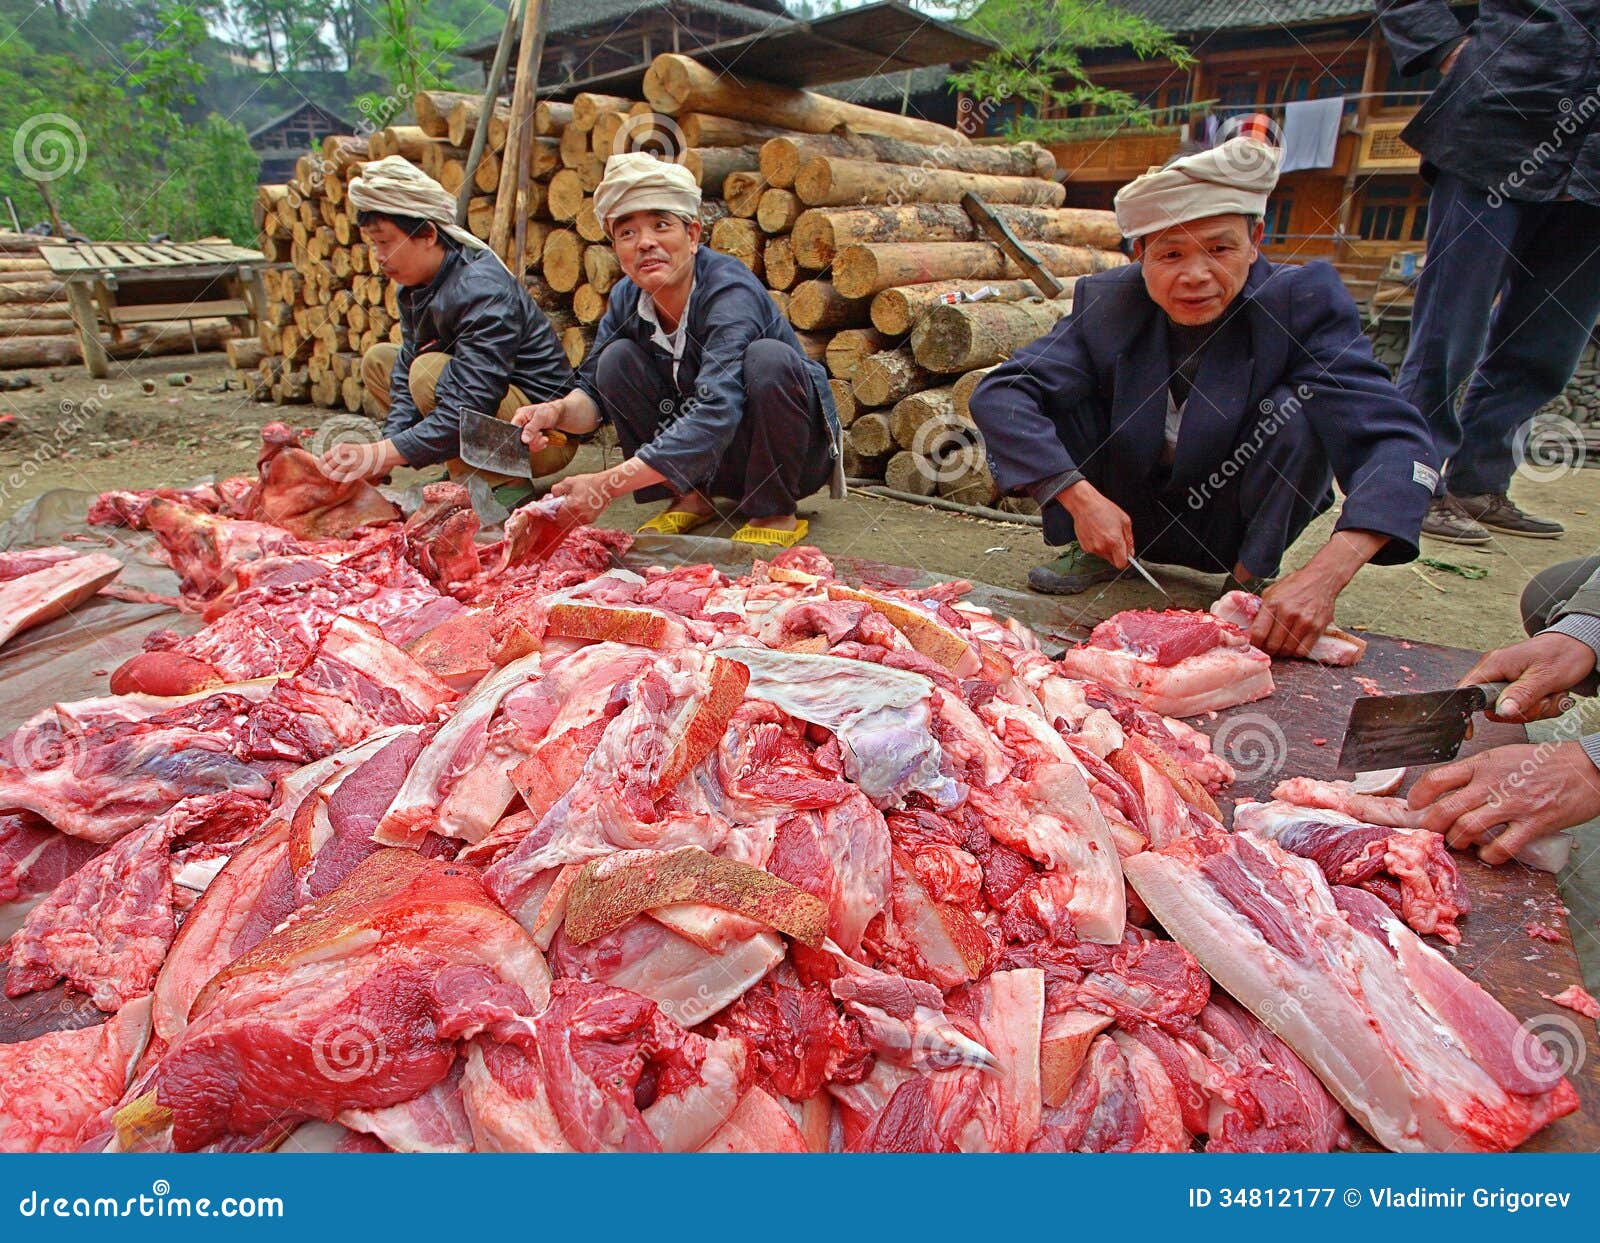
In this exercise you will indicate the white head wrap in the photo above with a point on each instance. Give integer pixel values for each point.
(1234, 177)
(637, 181)
(398, 187)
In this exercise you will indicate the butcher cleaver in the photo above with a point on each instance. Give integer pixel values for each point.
(1395, 731)
(492, 444)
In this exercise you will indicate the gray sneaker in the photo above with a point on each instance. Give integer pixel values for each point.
(1072, 572)
(1498, 512)
(1447, 521)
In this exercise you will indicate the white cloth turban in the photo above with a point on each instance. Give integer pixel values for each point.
(1234, 177)
(637, 181)
(396, 186)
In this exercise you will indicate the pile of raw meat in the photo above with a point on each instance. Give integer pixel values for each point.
(427, 844)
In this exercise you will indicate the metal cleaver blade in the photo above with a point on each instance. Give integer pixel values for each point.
(492, 444)
(1393, 731)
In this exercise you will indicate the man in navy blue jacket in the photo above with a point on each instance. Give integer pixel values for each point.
(1198, 404)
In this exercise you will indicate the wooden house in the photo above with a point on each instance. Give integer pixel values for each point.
(284, 139)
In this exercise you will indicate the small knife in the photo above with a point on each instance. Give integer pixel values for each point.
(492, 444)
(1145, 574)
(1393, 731)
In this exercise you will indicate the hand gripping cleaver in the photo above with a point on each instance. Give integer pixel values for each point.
(492, 444)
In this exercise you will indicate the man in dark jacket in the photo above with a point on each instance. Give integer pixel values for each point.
(703, 377)
(1511, 287)
(1197, 405)
(471, 337)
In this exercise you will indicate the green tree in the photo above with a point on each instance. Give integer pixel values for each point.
(1039, 62)
(117, 137)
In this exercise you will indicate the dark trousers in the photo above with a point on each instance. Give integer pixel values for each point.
(1550, 589)
(1542, 262)
(781, 450)
(1251, 507)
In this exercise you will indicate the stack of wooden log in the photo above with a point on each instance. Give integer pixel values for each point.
(851, 216)
(36, 325)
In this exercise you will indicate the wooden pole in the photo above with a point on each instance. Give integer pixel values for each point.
(522, 105)
(480, 135)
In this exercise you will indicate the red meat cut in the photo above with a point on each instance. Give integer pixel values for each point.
(1176, 663)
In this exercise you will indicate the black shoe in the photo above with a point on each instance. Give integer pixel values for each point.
(1447, 521)
(1498, 512)
(1072, 572)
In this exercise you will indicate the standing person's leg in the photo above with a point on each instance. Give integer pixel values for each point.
(1469, 247)
(1543, 322)
(780, 453)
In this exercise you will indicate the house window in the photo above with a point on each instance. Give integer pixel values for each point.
(1395, 211)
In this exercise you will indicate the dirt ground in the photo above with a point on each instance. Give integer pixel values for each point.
(69, 431)
(74, 432)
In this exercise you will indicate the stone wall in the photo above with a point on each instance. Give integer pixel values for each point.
(1580, 402)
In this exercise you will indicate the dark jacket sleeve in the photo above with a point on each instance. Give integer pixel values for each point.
(689, 449)
(477, 376)
(610, 325)
(403, 412)
(1419, 32)
(1375, 440)
(1016, 405)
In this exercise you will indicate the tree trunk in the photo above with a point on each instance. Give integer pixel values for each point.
(245, 353)
(777, 210)
(778, 259)
(844, 402)
(138, 340)
(895, 311)
(433, 110)
(964, 477)
(863, 270)
(829, 181)
(564, 198)
(588, 107)
(702, 129)
(742, 190)
(675, 84)
(962, 338)
(575, 343)
(601, 268)
(869, 434)
(963, 389)
(850, 346)
(563, 260)
(573, 145)
(915, 415)
(884, 378)
(549, 119)
(861, 465)
(782, 156)
(910, 472)
(15, 292)
(463, 122)
(820, 232)
(588, 303)
(817, 304)
(740, 238)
